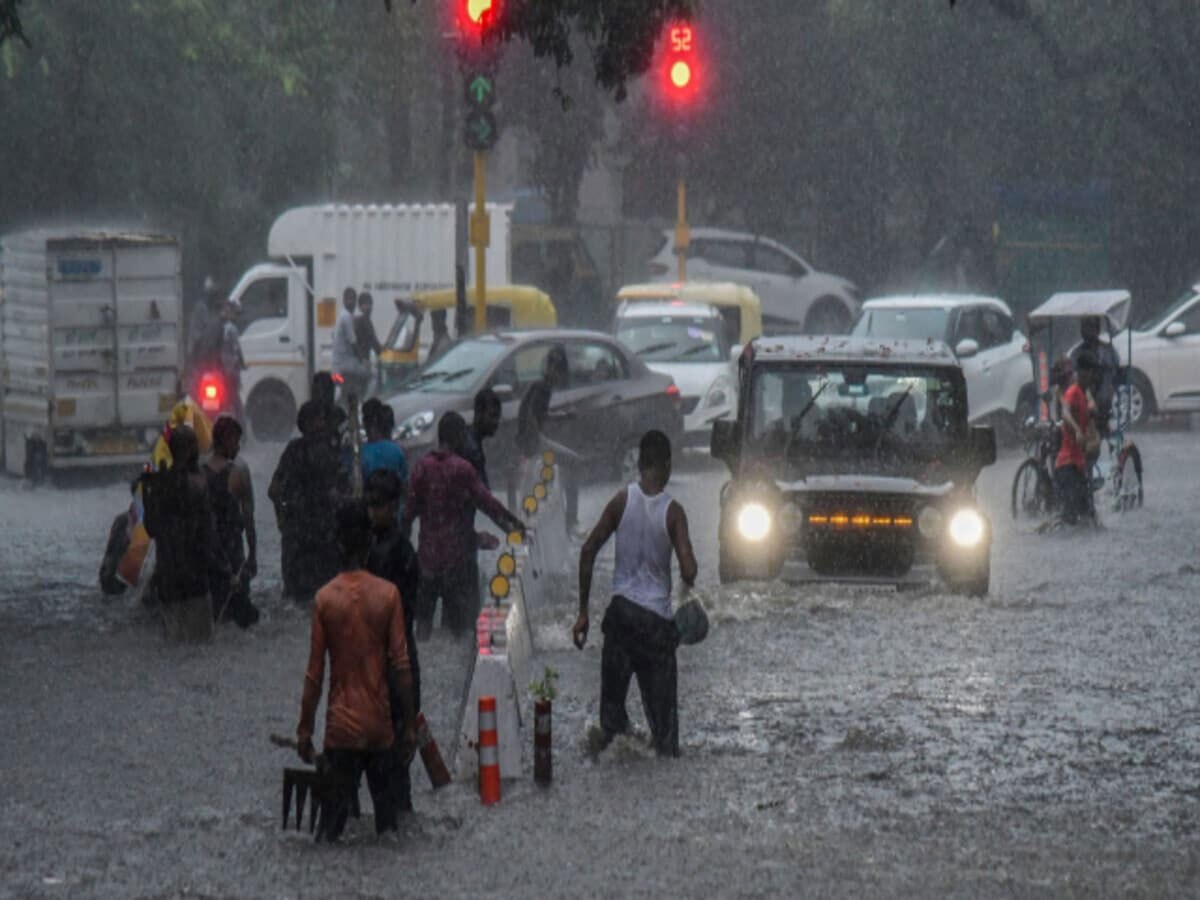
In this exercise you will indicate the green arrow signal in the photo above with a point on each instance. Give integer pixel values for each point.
(481, 89)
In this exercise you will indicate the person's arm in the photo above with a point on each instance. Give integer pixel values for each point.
(1068, 415)
(486, 501)
(677, 528)
(412, 502)
(610, 519)
(314, 679)
(243, 489)
(401, 674)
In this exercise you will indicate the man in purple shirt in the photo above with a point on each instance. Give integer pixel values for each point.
(443, 493)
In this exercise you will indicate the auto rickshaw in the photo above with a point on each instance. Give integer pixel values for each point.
(738, 304)
(409, 340)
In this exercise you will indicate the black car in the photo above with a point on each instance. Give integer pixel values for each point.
(611, 398)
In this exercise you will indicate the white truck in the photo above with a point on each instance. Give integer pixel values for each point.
(290, 305)
(90, 346)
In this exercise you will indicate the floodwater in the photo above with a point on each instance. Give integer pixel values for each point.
(1044, 741)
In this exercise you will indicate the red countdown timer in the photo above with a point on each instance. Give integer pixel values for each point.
(680, 63)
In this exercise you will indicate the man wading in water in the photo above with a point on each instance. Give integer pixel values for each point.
(639, 635)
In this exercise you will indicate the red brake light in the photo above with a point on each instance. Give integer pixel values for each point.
(673, 392)
(212, 390)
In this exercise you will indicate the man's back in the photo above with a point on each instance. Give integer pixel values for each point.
(359, 621)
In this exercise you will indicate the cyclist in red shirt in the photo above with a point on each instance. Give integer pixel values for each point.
(1070, 467)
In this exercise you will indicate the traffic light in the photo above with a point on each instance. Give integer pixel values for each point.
(476, 18)
(681, 68)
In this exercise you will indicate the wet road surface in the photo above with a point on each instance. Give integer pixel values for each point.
(1043, 741)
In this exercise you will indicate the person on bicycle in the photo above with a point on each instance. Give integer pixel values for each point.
(1071, 464)
(1107, 366)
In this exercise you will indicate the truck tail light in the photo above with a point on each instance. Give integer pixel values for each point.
(673, 393)
(212, 392)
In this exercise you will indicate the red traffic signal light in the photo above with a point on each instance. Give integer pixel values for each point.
(475, 17)
(681, 63)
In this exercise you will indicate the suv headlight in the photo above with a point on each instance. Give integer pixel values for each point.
(966, 528)
(754, 522)
(415, 425)
(718, 393)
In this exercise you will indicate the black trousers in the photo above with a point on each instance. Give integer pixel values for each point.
(1073, 493)
(459, 592)
(383, 770)
(639, 642)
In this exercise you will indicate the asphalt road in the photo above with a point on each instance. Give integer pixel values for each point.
(1043, 741)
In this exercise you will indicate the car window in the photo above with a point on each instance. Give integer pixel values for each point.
(593, 363)
(735, 254)
(997, 328)
(265, 299)
(775, 262)
(522, 367)
(969, 326)
(916, 324)
(1191, 319)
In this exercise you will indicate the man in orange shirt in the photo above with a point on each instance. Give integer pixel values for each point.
(359, 621)
(1070, 466)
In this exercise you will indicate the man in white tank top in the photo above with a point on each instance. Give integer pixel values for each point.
(639, 634)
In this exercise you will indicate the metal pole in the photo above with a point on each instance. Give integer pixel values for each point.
(682, 235)
(479, 239)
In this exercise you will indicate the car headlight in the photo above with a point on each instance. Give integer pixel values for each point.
(930, 521)
(718, 394)
(754, 521)
(416, 425)
(966, 528)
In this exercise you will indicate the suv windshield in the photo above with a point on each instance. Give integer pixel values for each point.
(458, 369)
(920, 324)
(671, 338)
(856, 418)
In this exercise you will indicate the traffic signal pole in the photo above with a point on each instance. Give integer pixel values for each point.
(480, 238)
(682, 231)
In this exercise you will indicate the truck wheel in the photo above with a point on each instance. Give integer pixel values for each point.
(37, 461)
(272, 412)
(827, 316)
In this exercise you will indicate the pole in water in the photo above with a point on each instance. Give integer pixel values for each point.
(543, 768)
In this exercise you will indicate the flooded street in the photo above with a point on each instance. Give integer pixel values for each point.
(1043, 741)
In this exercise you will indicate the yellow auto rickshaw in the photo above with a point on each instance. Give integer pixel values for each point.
(509, 306)
(738, 304)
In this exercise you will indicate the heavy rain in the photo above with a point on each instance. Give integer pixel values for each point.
(384, 382)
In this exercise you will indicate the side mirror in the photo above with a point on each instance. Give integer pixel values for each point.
(1175, 329)
(504, 392)
(966, 348)
(724, 442)
(982, 445)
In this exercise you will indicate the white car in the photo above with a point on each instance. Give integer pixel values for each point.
(689, 342)
(1166, 359)
(794, 295)
(993, 352)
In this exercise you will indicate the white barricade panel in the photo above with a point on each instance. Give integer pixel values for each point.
(491, 676)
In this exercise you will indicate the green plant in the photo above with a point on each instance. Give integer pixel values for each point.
(544, 689)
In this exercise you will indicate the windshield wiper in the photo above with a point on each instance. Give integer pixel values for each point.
(691, 351)
(454, 376)
(799, 420)
(655, 348)
(889, 418)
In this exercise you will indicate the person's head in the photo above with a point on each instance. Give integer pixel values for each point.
(227, 437)
(352, 532)
(365, 303)
(654, 457)
(1086, 369)
(437, 319)
(452, 432)
(373, 421)
(311, 417)
(185, 449)
(212, 293)
(1089, 328)
(554, 367)
(487, 413)
(323, 389)
(382, 492)
(349, 297)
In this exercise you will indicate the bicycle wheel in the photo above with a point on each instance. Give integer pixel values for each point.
(1031, 492)
(1127, 483)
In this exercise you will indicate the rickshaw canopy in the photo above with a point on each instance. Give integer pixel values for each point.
(1112, 306)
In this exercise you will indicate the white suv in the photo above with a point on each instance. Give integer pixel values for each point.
(1166, 359)
(689, 342)
(993, 352)
(794, 295)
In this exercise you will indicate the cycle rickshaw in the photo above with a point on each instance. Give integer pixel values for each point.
(1115, 479)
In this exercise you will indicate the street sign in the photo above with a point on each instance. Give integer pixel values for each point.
(480, 130)
(480, 89)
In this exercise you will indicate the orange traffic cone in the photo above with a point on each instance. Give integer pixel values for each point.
(431, 757)
(489, 753)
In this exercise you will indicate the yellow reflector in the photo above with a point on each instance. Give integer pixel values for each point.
(547, 473)
(530, 505)
(514, 539)
(166, 402)
(506, 565)
(903, 521)
(326, 312)
(548, 457)
(839, 520)
(65, 406)
(539, 491)
(883, 520)
(861, 520)
(818, 520)
(499, 586)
